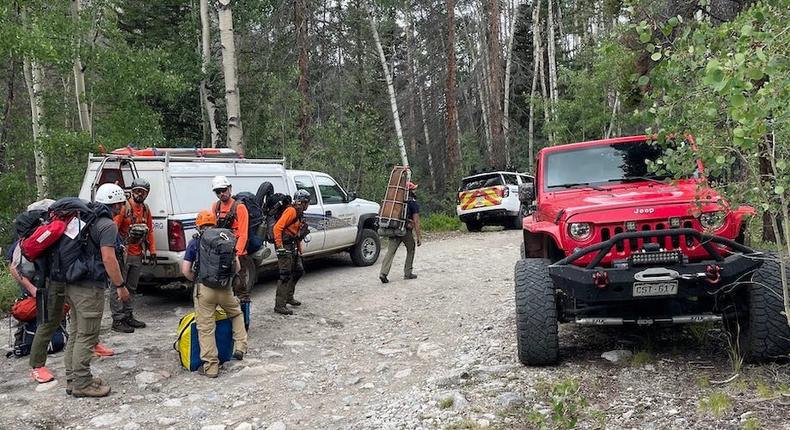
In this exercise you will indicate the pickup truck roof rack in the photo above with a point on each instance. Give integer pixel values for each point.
(167, 158)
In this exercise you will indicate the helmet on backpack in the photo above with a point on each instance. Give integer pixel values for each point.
(302, 196)
(110, 194)
(141, 183)
(219, 182)
(204, 218)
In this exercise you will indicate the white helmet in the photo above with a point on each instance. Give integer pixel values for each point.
(110, 194)
(219, 182)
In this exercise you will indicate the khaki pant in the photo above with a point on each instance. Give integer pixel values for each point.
(394, 243)
(87, 307)
(291, 270)
(123, 310)
(56, 296)
(241, 282)
(206, 302)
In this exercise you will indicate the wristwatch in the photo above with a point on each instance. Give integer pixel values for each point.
(123, 285)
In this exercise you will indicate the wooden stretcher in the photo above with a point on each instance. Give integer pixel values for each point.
(392, 215)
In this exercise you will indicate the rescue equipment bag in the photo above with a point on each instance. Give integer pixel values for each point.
(61, 213)
(24, 310)
(216, 253)
(27, 222)
(188, 346)
(76, 258)
(23, 339)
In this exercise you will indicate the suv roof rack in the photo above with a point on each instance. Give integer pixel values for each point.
(167, 158)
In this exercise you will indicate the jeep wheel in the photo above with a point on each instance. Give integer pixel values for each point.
(474, 226)
(764, 333)
(366, 251)
(537, 332)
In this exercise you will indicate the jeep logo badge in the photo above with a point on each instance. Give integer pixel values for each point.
(642, 211)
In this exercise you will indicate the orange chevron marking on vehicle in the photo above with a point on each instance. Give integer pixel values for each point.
(482, 197)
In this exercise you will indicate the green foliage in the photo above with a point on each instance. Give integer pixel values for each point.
(717, 404)
(751, 423)
(440, 222)
(9, 290)
(446, 403)
(641, 358)
(567, 404)
(729, 86)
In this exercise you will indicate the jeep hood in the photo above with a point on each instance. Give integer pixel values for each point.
(683, 195)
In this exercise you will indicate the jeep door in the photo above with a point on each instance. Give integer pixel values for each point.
(340, 217)
(313, 215)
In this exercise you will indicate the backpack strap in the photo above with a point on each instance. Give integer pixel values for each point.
(130, 213)
(228, 219)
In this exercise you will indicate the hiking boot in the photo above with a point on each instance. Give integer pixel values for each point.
(92, 390)
(410, 276)
(122, 326)
(238, 355)
(383, 278)
(209, 374)
(100, 350)
(283, 310)
(42, 375)
(70, 385)
(294, 302)
(134, 323)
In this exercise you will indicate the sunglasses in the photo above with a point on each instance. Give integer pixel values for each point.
(219, 191)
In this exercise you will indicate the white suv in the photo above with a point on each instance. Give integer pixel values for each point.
(181, 187)
(490, 199)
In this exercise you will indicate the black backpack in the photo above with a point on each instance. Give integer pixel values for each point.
(216, 253)
(23, 339)
(275, 206)
(27, 222)
(256, 218)
(79, 258)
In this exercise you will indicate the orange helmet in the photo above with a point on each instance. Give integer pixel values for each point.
(205, 217)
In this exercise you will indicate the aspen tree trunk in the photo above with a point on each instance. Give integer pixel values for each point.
(615, 106)
(535, 70)
(480, 77)
(34, 79)
(552, 58)
(426, 135)
(391, 91)
(5, 123)
(205, 92)
(453, 149)
(79, 76)
(300, 26)
(235, 132)
(411, 75)
(546, 101)
(497, 156)
(508, 65)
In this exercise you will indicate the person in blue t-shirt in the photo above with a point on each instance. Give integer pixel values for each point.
(412, 230)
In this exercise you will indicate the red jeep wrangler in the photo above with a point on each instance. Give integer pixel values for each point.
(607, 242)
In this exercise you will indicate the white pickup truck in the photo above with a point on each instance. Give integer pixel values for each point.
(181, 186)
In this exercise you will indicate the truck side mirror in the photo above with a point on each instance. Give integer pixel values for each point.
(350, 197)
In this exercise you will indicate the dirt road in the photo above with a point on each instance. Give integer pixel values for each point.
(434, 352)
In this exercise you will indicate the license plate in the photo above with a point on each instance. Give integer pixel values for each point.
(647, 289)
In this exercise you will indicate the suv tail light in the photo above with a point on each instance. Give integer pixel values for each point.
(505, 192)
(175, 236)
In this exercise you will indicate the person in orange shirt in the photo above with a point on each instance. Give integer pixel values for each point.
(233, 215)
(135, 227)
(289, 231)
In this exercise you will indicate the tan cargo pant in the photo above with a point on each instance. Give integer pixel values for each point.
(87, 307)
(394, 243)
(206, 302)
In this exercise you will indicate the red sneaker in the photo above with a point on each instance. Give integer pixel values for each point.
(41, 375)
(102, 351)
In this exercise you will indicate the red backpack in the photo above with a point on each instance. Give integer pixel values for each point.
(60, 215)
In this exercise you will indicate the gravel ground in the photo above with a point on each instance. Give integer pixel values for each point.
(435, 352)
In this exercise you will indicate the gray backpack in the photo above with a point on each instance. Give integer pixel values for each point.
(217, 251)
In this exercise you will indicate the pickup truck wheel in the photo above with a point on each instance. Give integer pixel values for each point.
(537, 332)
(474, 226)
(367, 250)
(763, 332)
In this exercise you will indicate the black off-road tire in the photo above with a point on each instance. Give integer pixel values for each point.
(764, 333)
(474, 226)
(537, 331)
(367, 249)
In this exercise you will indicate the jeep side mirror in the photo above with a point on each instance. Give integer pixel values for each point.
(526, 193)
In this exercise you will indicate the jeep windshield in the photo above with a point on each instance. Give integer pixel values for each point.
(618, 162)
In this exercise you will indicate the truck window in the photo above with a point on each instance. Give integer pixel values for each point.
(525, 179)
(510, 179)
(305, 182)
(330, 192)
(480, 181)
